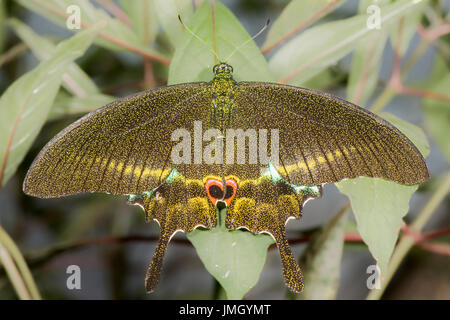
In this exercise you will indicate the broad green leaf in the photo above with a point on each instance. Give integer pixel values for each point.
(380, 205)
(75, 80)
(69, 105)
(168, 11)
(321, 261)
(193, 60)
(116, 35)
(407, 26)
(26, 103)
(326, 79)
(234, 258)
(437, 112)
(142, 14)
(366, 62)
(322, 46)
(298, 13)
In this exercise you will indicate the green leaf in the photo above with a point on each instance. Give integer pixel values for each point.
(234, 258)
(407, 25)
(25, 104)
(366, 62)
(116, 35)
(168, 11)
(436, 112)
(298, 13)
(142, 14)
(321, 261)
(307, 54)
(380, 205)
(68, 105)
(193, 60)
(75, 80)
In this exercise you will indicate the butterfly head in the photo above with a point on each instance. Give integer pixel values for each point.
(223, 70)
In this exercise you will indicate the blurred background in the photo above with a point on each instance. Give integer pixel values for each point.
(110, 240)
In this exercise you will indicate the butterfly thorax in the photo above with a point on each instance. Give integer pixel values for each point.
(222, 87)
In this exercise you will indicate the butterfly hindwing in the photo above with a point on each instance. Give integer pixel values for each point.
(265, 205)
(178, 204)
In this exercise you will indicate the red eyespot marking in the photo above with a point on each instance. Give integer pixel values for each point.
(215, 192)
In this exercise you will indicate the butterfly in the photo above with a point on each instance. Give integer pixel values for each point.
(181, 151)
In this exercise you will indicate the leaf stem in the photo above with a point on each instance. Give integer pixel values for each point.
(12, 53)
(10, 249)
(13, 274)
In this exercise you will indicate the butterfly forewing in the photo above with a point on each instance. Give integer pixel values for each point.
(123, 147)
(325, 139)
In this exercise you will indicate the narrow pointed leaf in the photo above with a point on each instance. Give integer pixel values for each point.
(298, 13)
(436, 112)
(234, 258)
(143, 17)
(116, 36)
(75, 80)
(25, 104)
(366, 62)
(69, 105)
(380, 205)
(406, 27)
(167, 13)
(321, 261)
(308, 54)
(193, 60)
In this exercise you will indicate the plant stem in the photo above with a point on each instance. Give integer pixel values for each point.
(12, 53)
(10, 246)
(389, 92)
(407, 241)
(13, 274)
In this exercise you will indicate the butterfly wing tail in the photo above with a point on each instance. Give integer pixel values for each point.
(264, 206)
(154, 269)
(178, 205)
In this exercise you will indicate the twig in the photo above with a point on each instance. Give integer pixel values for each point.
(10, 249)
(395, 84)
(115, 10)
(439, 248)
(13, 274)
(433, 33)
(12, 53)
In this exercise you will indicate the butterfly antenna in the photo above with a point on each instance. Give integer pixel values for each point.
(198, 38)
(251, 39)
